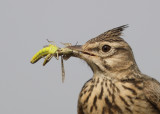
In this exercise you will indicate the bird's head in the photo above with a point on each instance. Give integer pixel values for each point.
(107, 53)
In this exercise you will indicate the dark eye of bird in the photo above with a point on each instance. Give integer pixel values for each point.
(106, 48)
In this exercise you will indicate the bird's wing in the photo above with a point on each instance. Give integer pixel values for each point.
(152, 91)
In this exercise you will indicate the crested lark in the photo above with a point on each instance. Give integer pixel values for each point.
(117, 85)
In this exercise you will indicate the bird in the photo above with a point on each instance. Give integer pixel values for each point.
(117, 85)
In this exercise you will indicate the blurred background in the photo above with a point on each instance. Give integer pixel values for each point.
(26, 24)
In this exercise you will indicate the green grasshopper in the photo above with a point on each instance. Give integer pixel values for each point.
(48, 52)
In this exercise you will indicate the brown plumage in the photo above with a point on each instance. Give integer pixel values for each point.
(117, 85)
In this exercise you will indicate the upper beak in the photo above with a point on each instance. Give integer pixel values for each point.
(77, 50)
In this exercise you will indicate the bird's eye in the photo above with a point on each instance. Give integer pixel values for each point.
(106, 48)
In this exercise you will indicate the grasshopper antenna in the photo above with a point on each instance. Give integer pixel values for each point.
(49, 41)
(52, 42)
(66, 44)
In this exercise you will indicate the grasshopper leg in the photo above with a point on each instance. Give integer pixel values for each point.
(63, 71)
(47, 59)
(57, 56)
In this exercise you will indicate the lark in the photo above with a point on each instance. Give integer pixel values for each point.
(117, 85)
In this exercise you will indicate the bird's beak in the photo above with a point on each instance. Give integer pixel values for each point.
(76, 50)
(79, 52)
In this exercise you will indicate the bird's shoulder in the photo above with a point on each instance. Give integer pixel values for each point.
(152, 90)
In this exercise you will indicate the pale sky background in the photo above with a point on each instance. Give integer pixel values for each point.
(26, 24)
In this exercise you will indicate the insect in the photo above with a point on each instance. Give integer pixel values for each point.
(48, 51)
(52, 50)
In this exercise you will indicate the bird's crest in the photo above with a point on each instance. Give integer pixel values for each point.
(113, 34)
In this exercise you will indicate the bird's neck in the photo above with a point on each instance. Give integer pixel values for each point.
(129, 73)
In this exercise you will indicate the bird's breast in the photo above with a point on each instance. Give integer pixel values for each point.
(103, 96)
